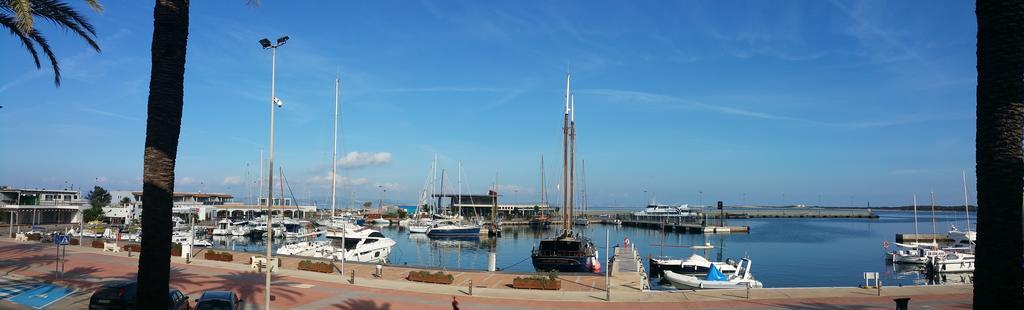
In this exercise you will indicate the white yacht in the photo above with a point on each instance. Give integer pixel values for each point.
(914, 254)
(666, 210)
(962, 238)
(951, 262)
(421, 226)
(360, 244)
(241, 229)
(223, 228)
(693, 264)
(715, 279)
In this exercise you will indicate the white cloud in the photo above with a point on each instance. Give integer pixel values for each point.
(364, 159)
(186, 181)
(325, 180)
(232, 180)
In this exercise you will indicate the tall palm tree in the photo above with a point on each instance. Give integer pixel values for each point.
(163, 126)
(999, 277)
(18, 17)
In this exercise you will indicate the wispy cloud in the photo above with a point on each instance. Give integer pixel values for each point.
(364, 159)
(667, 101)
(232, 180)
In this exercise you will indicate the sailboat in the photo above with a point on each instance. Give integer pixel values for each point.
(452, 228)
(964, 237)
(567, 252)
(541, 220)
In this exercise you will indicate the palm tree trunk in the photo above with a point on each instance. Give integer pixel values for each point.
(163, 125)
(999, 277)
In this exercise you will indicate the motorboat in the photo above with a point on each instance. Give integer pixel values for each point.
(914, 253)
(962, 237)
(583, 221)
(241, 230)
(951, 262)
(380, 221)
(540, 221)
(715, 279)
(359, 244)
(692, 265)
(223, 228)
(421, 226)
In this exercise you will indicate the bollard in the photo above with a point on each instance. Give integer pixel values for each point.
(352, 279)
(378, 271)
(470, 287)
(878, 284)
(902, 303)
(748, 290)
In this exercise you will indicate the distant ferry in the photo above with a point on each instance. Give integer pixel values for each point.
(666, 210)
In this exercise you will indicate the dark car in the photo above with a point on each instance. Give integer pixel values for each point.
(218, 300)
(121, 295)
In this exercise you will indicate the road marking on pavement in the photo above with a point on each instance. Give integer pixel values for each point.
(300, 285)
(10, 288)
(42, 296)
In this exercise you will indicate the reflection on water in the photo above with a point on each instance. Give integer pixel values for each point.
(785, 252)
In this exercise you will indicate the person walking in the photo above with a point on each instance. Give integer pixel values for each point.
(455, 304)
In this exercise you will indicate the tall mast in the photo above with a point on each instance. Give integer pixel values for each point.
(565, 160)
(261, 178)
(572, 157)
(543, 186)
(460, 188)
(334, 154)
(967, 210)
(933, 218)
(915, 215)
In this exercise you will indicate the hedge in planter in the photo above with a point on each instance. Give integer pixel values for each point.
(74, 241)
(549, 282)
(426, 276)
(316, 266)
(219, 256)
(175, 249)
(132, 247)
(97, 244)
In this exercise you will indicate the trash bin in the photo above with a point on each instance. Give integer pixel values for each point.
(902, 303)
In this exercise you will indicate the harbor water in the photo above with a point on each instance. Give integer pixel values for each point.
(786, 252)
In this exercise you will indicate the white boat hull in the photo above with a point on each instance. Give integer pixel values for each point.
(685, 282)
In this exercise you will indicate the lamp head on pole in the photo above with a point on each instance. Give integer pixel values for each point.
(281, 40)
(265, 43)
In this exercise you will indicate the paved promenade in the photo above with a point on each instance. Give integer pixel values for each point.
(86, 268)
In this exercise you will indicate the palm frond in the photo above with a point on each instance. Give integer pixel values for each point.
(22, 14)
(64, 16)
(36, 36)
(95, 5)
(9, 23)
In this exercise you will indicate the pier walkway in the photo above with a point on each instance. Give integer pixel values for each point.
(87, 268)
(627, 270)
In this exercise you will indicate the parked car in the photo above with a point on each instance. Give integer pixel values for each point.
(218, 300)
(121, 295)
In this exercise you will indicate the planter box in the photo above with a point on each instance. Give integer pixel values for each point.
(132, 247)
(316, 266)
(34, 237)
(218, 256)
(537, 283)
(437, 277)
(74, 242)
(97, 244)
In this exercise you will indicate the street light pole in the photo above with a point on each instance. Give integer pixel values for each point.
(270, 178)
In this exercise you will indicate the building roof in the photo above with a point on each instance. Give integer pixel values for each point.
(197, 195)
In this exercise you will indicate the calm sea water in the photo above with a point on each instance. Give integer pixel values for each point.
(785, 252)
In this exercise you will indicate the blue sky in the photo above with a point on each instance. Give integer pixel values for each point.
(778, 102)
